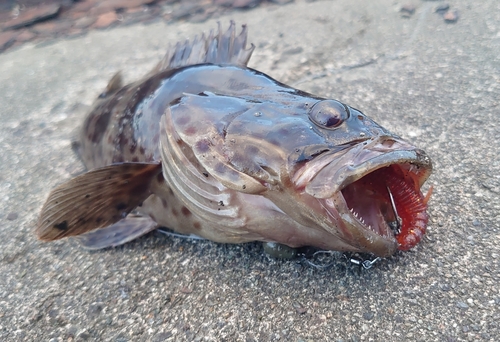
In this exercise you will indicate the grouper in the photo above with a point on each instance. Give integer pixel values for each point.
(206, 146)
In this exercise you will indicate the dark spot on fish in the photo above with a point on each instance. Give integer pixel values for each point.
(205, 174)
(87, 196)
(142, 150)
(159, 177)
(133, 147)
(197, 225)
(174, 212)
(81, 220)
(244, 186)
(221, 203)
(275, 142)
(97, 125)
(135, 159)
(236, 85)
(202, 146)
(156, 138)
(283, 131)
(191, 130)
(118, 159)
(234, 175)
(185, 211)
(164, 203)
(121, 206)
(62, 225)
(98, 220)
(252, 150)
(258, 135)
(219, 168)
(176, 101)
(181, 121)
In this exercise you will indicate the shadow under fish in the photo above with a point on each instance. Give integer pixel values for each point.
(206, 146)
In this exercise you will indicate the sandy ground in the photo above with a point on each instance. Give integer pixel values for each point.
(436, 84)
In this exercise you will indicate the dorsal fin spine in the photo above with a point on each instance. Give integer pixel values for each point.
(218, 47)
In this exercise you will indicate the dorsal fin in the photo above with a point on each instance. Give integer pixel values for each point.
(114, 84)
(217, 48)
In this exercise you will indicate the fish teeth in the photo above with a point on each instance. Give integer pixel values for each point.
(358, 217)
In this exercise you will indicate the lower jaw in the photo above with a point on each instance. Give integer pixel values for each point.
(353, 233)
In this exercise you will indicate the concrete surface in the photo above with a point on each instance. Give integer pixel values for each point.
(437, 84)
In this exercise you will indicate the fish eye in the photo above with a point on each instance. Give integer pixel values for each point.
(328, 113)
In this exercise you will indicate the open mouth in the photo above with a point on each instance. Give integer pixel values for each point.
(373, 187)
(388, 201)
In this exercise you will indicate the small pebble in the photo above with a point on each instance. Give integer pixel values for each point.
(12, 216)
(299, 308)
(368, 315)
(407, 10)
(441, 9)
(186, 290)
(451, 16)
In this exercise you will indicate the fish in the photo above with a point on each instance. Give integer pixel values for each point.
(208, 147)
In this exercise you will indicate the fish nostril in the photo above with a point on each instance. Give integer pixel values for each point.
(388, 143)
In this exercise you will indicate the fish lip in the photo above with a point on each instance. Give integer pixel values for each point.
(356, 162)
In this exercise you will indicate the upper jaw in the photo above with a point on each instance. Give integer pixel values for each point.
(331, 172)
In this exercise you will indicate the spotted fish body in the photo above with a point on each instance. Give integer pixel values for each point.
(207, 146)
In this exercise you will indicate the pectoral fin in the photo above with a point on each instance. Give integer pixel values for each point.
(121, 232)
(96, 199)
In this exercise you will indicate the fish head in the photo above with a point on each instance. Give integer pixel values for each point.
(324, 164)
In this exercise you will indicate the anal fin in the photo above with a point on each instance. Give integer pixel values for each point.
(118, 233)
(96, 199)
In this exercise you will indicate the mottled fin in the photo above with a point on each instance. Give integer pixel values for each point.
(96, 199)
(121, 232)
(217, 48)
